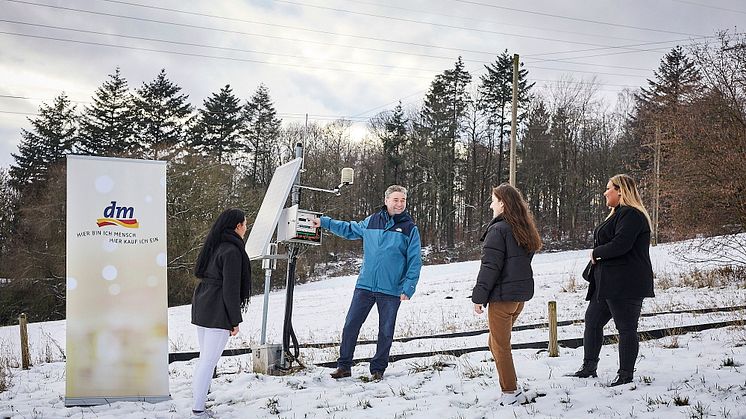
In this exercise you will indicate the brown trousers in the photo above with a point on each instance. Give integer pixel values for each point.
(500, 318)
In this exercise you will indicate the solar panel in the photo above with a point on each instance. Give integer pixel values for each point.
(269, 213)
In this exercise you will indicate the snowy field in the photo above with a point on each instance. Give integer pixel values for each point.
(693, 375)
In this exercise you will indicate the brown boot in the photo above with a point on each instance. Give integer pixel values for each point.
(376, 376)
(340, 373)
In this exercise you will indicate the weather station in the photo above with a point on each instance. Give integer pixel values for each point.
(293, 229)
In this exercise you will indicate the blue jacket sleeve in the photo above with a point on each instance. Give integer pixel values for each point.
(414, 263)
(350, 230)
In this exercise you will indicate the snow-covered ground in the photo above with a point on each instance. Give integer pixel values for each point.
(694, 375)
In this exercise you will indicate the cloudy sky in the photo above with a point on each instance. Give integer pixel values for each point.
(330, 59)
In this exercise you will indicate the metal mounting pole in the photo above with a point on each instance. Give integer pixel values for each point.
(267, 279)
(287, 331)
(268, 265)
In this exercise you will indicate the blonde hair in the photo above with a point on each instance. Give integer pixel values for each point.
(629, 195)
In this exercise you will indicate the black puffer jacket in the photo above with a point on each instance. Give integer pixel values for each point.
(505, 274)
(216, 302)
(622, 254)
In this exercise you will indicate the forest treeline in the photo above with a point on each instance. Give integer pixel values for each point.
(682, 136)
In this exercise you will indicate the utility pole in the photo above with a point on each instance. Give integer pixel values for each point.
(514, 121)
(657, 168)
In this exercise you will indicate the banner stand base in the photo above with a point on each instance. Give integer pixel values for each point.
(95, 401)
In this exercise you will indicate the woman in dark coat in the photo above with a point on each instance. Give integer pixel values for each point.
(620, 276)
(224, 289)
(505, 280)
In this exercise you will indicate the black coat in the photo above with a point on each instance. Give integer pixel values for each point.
(216, 302)
(505, 273)
(622, 253)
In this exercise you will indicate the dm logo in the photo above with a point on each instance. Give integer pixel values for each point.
(121, 216)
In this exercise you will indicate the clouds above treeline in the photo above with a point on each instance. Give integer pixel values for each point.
(329, 59)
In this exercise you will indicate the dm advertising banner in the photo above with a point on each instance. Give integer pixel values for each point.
(117, 308)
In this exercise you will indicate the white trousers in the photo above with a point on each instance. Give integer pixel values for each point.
(211, 345)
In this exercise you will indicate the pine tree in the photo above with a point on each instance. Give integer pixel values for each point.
(217, 131)
(52, 136)
(108, 126)
(676, 81)
(161, 113)
(8, 203)
(496, 90)
(262, 132)
(676, 84)
(445, 105)
(393, 142)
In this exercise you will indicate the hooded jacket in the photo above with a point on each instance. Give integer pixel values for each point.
(391, 251)
(505, 273)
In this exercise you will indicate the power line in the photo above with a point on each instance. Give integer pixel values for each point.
(710, 6)
(281, 114)
(587, 64)
(443, 25)
(19, 113)
(419, 92)
(623, 86)
(36, 98)
(277, 37)
(586, 71)
(358, 116)
(403, 42)
(576, 19)
(491, 22)
(190, 44)
(233, 19)
(208, 28)
(189, 54)
(286, 55)
(599, 47)
(262, 35)
(658, 49)
(691, 42)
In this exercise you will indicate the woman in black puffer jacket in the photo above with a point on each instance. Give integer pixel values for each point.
(505, 279)
(224, 289)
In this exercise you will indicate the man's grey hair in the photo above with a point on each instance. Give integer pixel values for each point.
(395, 188)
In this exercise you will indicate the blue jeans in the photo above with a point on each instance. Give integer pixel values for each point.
(362, 302)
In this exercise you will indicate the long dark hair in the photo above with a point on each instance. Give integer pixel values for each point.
(517, 214)
(227, 221)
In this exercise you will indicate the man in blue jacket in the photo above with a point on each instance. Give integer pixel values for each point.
(388, 276)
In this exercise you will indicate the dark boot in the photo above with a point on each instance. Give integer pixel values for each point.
(376, 376)
(340, 373)
(587, 370)
(622, 377)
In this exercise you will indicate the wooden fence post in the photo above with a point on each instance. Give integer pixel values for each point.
(22, 322)
(553, 347)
